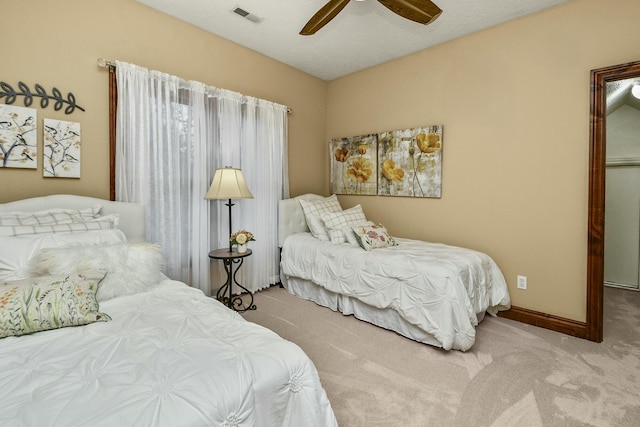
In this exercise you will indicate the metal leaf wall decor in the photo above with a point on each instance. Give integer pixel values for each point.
(10, 95)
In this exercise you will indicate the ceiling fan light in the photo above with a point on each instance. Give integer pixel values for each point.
(635, 90)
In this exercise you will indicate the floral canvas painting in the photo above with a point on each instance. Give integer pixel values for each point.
(354, 167)
(18, 137)
(410, 162)
(61, 149)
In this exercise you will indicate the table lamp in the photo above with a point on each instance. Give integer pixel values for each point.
(228, 183)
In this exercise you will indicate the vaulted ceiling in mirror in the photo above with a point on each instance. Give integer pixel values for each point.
(619, 94)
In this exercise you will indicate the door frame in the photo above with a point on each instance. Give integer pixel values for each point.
(597, 186)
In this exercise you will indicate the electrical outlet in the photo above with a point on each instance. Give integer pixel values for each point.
(522, 282)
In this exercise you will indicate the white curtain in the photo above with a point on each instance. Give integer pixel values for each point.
(171, 135)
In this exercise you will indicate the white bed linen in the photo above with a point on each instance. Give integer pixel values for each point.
(383, 317)
(440, 289)
(170, 357)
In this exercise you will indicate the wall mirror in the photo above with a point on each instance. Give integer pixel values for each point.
(612, 88)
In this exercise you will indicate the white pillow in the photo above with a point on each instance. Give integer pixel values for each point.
(131, 268)
(313, 210)
(100, 223)
(50, 216)
(340, 223)
(15, 252)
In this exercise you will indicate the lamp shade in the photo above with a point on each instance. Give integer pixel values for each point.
(228, 183)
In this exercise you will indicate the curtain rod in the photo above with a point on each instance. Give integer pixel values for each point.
(105, 63)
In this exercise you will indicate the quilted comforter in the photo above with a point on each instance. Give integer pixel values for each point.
(170, 357)
(441, 289)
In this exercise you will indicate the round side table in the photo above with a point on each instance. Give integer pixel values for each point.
(225, 293)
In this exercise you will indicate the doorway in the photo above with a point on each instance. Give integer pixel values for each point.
(597, 188)
(622, 196)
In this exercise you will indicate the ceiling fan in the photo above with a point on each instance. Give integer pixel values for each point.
(421, 11)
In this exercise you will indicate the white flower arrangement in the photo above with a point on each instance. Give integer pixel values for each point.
(241, 237)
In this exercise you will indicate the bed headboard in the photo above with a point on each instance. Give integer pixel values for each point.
(132, 216)
(291, 217)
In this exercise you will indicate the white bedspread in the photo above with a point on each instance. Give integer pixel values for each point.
(440, 289)
(170, 357)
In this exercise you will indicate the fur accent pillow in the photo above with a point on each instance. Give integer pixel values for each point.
(131, 268)
(17, 251)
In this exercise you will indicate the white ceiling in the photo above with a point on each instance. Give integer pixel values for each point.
(364, 34)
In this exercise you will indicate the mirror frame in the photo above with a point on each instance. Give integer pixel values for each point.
(597, 186)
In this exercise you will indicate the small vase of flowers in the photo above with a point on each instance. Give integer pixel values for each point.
(241, 238)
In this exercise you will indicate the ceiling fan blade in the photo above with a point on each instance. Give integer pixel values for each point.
(421, 11)
(323, 16)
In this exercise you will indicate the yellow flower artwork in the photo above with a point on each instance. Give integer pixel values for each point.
(395, 163)
(410, 162)
(354, 165)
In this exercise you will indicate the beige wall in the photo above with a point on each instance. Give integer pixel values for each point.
(56, 43)
(514, 102)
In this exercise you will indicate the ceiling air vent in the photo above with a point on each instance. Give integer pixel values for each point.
(248, 15)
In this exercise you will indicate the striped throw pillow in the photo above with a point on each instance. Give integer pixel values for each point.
(50, 216)
(106, 222)
(339, 223)
(313, 210)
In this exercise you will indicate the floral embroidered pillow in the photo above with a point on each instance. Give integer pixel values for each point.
(49, 302)
(373, 237)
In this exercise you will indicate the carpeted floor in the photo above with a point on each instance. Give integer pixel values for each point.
(515, 375)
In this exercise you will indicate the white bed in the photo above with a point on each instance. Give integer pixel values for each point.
(432, 293)
(169, 356)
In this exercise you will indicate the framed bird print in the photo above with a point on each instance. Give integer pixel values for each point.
(18, 137)
(61, 156)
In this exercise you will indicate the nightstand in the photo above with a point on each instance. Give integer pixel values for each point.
(225, 293)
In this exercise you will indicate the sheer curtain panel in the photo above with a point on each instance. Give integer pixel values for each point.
(171, 135)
